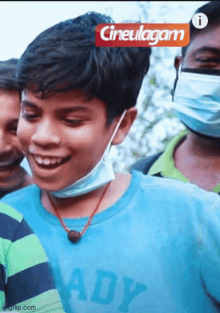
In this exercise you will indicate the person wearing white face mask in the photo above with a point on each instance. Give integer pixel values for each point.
(193, 155)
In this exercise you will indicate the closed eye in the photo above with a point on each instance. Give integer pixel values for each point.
(216, 60)
(73, 122)
(12, 127)
(13, 130)
(29, 116)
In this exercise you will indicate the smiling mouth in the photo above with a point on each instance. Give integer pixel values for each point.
(49, 163)
(8, 166)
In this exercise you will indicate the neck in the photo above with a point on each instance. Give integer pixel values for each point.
(74, 207)
(199, 147)
(84, 205)
(198, 160)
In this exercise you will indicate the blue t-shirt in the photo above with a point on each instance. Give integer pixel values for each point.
(156, 250)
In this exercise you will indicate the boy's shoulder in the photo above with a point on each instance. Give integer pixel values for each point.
(171, 189)
(143, 188)
(20, 195)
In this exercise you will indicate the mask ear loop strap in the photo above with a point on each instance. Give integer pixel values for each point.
(179, 69)
(113, 136)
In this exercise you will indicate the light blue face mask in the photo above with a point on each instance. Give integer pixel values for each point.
(101, 174)
(197, 102)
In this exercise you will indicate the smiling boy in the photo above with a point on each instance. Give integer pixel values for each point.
(116, 242)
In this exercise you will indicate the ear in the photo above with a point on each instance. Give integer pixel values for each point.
(125, 126)
(177, 62)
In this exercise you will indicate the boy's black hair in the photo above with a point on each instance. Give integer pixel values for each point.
(8, 81)
(64, 57)
(212, 11)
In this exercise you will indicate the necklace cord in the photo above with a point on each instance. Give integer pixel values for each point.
(90, 218)
(96, 209)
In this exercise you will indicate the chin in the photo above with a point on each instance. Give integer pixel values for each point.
(206, 137)
(215, 140)
(10, 186)
(48, 185)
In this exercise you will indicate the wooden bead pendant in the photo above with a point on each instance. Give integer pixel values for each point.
(74, 236)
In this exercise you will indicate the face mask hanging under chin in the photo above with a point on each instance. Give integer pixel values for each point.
(197, 102)
(101, 174)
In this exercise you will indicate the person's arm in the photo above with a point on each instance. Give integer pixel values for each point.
(28, 284)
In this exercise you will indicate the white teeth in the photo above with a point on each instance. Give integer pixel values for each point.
(47, 161)
(53, 161)
(39, 159)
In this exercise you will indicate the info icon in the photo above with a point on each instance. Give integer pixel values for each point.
(200, 20)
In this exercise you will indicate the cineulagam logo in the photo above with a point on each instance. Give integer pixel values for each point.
(142, 35)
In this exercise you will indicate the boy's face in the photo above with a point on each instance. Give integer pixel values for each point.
(63, 137)
(204, 51)
(10, 148)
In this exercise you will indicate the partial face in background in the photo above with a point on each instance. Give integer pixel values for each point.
(63, 136)
(199, 96)
(10, 148)
(204, 51)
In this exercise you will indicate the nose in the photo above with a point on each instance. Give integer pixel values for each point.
(46, 134)
(5, 143)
